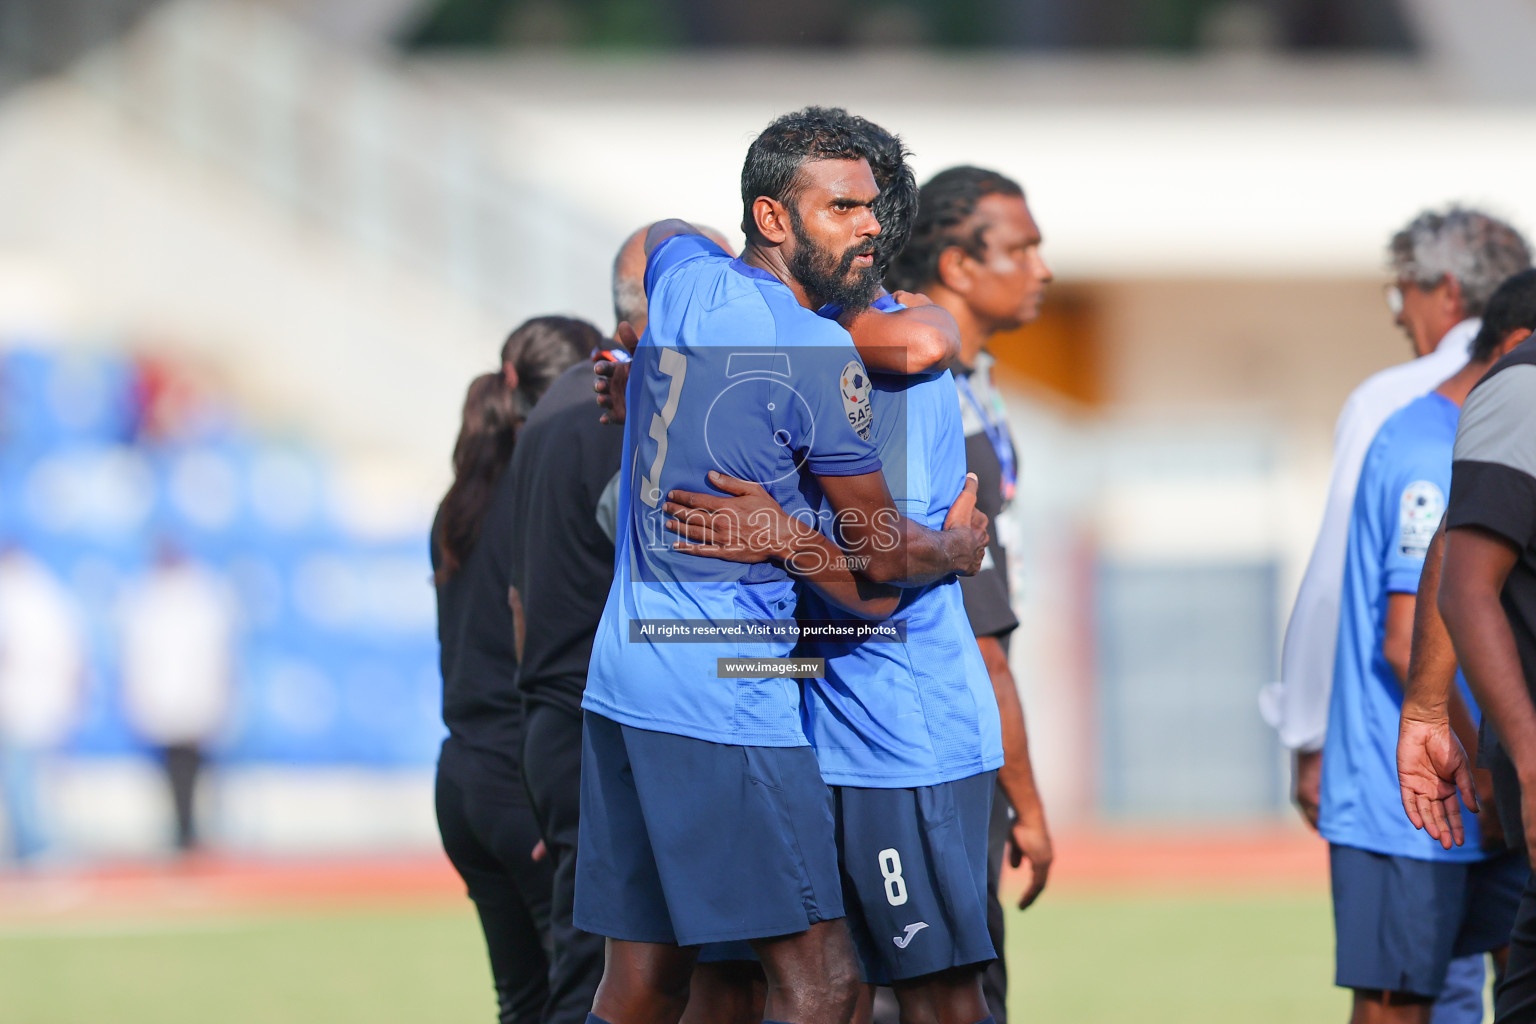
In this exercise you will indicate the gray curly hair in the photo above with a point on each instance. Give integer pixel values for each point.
(1479, 251)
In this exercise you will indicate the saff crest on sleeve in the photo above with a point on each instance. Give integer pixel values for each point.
(855, 390)
(1423, 503)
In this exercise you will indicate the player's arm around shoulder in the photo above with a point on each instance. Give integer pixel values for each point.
(895, 549)
(891, 547)
(748, 525)
(921, 338)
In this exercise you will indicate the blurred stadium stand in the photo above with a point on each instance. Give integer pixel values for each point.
(347, 145)
(41, 37)
(337, 652)
(330, 243)
(354, 226)
(1167, 25)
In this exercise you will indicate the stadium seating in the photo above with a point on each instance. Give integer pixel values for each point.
(337, 653)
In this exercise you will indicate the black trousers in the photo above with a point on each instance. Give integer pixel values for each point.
(182, 762)
(1514, 1001)
(552, 772)
(489, 834)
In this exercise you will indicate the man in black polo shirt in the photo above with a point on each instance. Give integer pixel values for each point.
(1488, 601)
(561, 569)
(975, 250)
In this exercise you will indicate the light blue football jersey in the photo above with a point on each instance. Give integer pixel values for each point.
(732, 374)
(1398, 504)
(922, 712)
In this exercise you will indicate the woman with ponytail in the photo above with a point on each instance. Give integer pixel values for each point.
(483, 816)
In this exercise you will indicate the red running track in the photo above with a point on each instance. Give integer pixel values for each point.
(1247, 860)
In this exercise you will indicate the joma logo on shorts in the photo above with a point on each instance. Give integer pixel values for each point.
(902, 941)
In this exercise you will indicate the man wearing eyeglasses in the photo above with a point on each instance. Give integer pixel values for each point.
(1446, 264)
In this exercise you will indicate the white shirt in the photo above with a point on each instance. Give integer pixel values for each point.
(42, 659)
(1297, 706)
(178, 637)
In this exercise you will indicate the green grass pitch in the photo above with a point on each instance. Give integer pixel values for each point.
(1075, 957)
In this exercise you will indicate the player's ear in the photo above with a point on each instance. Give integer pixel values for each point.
(771, 219)
(1514, 338)
(1453, 294)
(954, 270)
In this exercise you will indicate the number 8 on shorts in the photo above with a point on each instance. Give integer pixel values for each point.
(890, 870)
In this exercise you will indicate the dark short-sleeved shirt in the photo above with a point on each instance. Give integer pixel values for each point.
(561, 560)
(481, 706)
(987, 602)
(1493, 482)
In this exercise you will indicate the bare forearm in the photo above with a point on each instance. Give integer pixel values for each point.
(1398, 659)
(895, 549)
(817, 560)
(919, 557)
(1462, 724)
(1432, 661)
(1397, 643)
(1017, 775)
(915, 340)
(1431, 672)
(1486, 648)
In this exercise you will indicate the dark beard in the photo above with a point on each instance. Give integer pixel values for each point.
(826, 278)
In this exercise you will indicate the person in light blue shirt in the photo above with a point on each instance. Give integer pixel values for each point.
(1405, 906)
(1401, 497)
(703, 816)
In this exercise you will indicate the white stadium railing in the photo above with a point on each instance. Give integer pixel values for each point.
(355, 146)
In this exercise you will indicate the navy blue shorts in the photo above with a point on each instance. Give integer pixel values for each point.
(914, 865)
(1400, 921)
(685, 841)
(724, 952)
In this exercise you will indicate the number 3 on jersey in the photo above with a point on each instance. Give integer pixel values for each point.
(675, 365)
(890, 870)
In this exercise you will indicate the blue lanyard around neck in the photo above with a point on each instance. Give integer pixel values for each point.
(997, 433)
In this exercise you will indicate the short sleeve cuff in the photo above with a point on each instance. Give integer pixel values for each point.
(1494, 497)
(1403, 581)
(843, 466)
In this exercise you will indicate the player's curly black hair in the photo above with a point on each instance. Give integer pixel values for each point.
(1511, 307)
(498, 402)
(944, 206)
(897, 204)
(830, 133)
